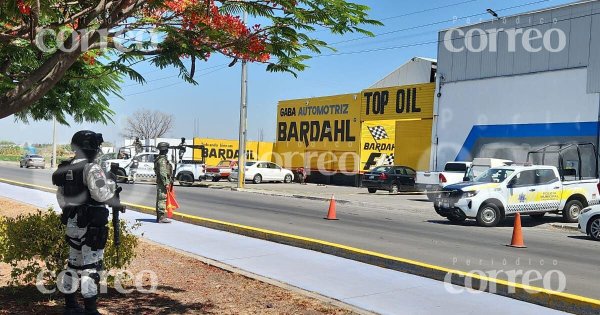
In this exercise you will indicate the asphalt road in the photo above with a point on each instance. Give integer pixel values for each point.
(408, 233)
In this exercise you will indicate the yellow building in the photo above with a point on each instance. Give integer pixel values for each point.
(216, 150)
(337, 138)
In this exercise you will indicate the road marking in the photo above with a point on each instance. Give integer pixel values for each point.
(362, 251)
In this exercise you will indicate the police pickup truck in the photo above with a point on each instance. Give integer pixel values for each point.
(503, 191)
(140, 167)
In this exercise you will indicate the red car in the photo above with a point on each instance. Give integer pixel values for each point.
(221, 171)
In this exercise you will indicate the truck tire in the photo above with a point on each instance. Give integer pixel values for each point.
(121, 176)
(372, 190)
(572, 210)
(489, 215)
(394, 189)
(257, 179)
(216, 179)
(186, 179)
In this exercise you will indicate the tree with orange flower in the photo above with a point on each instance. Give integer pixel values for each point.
(65, 57)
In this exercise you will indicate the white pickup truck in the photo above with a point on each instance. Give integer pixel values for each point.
(454, 172)
(432, 182)
(506, 190)
(140, 167)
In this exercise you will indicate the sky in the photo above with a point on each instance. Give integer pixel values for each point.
(410, 27)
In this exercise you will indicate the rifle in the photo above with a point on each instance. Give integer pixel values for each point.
(116, 208)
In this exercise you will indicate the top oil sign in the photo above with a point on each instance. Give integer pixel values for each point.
(397, 103)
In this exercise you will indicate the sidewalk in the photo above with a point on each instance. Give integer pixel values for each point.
(364, 286)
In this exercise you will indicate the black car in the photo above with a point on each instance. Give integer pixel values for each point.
(390, 178)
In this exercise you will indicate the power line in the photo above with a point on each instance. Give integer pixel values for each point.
(441, 41)
(171, 76)
(428, 10)
(436, 23)
(414, 12)
(173, 84)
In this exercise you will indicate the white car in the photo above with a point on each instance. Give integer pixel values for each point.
(589, 222)
(263, 171)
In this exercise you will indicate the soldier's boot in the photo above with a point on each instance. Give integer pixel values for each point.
(71, 305)
(163, 219)
(90, 306)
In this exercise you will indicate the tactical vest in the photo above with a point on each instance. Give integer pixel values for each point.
(71, 178)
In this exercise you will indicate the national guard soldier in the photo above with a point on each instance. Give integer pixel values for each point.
(164, 172)
(83, 193)
(138, 145)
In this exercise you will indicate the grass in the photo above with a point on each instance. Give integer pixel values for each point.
(10, 157)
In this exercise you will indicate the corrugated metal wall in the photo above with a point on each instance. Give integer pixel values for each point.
(580, 22)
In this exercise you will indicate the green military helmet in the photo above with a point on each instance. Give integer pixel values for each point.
(162, 147)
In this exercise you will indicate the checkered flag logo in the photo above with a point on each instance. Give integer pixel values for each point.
(389, 160)
(378, 133)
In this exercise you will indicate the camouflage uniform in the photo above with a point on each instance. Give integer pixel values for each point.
(163, 171)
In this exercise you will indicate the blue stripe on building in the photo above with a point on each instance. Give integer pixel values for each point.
(579, 129)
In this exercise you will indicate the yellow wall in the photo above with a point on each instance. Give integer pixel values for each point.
(303, 136)
(413, 143)
(401, 102)
(217, 150)
(322, 124)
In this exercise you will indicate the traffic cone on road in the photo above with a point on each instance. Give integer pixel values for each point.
(331, 213)
(517, 237)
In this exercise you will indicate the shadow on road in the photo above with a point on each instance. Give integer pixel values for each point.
(146, 220)
(526, 221)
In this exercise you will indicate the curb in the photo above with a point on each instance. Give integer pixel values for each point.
(566, 302)
(278, 194)
(563, 226)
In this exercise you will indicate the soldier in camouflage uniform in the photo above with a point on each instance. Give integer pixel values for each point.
(164, 172)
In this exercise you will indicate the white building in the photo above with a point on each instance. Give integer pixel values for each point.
(511, 85)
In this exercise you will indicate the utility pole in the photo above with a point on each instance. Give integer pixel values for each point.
(53, 160)
(243, 119)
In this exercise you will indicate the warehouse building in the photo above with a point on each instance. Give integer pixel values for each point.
(508, 86)
(337, 138)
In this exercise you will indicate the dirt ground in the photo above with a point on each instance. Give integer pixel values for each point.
(186, 286)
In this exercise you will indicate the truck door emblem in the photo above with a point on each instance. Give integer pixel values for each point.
(522, 198)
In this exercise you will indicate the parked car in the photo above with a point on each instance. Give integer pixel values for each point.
(589, 222)
(263, 171)
(32, 160)
(221, 170)
(390, 178)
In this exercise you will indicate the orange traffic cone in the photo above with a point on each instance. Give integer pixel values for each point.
(517, 237)
(331, 213)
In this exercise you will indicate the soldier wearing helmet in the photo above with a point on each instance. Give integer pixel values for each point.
(164, 172)
(83, 193)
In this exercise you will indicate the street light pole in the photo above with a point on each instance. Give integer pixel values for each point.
(53, 160)
(243, 119)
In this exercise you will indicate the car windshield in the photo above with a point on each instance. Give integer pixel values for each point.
(494, 175)
(224, 163)
(36, 156)
(381, 169)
